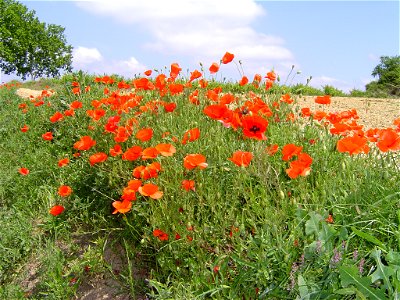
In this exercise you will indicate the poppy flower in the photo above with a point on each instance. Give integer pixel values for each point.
(149, 153)
(56, 210)
(48, 136)
(144, 134)
(241, 158)
(271, 76)
(227, 58)
(97, 158)
(69, 113)
(85, 143)
(76, 104)
(175, 70)
(192, 161)
(132, 153)
(214, 68)
(25, 128)
(122, 206)
(216, 111)
(63, 162)
(254, 127)
(272, 149)
(166, 149)
(388, 140)
(191, 135)
(64, 191)
(56, 117)
(353, 145)
(150, 190)
(161, 235)
(148, 72)
(268, 84)
(188, 185)
(243, 81)
(323, 99)
(194, 75)
(300, 167)
(169, 107)
(23, 171)
(290, 150)
(116, 150)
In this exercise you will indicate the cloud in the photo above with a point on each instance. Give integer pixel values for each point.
(319, 82)
(201, 30)
(92, 61)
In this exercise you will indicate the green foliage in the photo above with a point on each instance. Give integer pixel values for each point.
(332, 91)
(388, 73)
(29, 47)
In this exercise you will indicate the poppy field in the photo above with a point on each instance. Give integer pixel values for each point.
(202, 189)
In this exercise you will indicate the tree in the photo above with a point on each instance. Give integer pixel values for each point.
(388, 73)
(29, 47)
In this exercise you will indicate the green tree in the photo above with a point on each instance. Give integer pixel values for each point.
(388, 73)
(29, 47)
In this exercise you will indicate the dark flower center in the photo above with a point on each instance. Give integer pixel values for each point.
(254, 129)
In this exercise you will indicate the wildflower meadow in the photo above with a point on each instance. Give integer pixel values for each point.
(180, 186)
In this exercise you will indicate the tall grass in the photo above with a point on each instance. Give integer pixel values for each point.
(242, 232)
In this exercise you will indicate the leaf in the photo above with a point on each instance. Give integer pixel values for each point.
(368, 237)
(303, 290)
(312, 225)
(346, 291)
(349, 276)
(382, 272)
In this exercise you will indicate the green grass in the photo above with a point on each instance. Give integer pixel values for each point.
(244, 233)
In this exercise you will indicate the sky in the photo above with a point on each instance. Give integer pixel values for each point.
(335, 42)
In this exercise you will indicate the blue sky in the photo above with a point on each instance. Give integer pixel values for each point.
(336, 42)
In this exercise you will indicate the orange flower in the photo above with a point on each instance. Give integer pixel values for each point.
(148, 72)
(56, 117)
(353, 145)
(129, 192)
(56, 210)
(188, 185)
(25, 128)
(243, 81)
(76, 104)
(144, 134)
(272, 149)
(194, 75)
(85, 143)
(166, 149)
(241, 158)
(69, 113)
(122, 206)
(63, 162)
(150, 153)
(290, 150)
(227, 58)
(323, 99)
(254, 127)
(268, 84)
(388, 140)
(116, 150)
(286, 98)
(150, 190)
(192, 161)
(271, 76)
(329, 219)
(191, 135)
(97, 158)
(169, 107)
(301, 166)
(64, 190)
(175, 70)
(48, 136)
(132, 153)
(214, 68)
(23, 171)
(161, 235)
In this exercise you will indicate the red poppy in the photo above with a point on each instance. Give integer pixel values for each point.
(25, 128)
(161, 235)
(149, 153)
(271, 76)
(243, 81)
(192, 161)
(97, 158)
(56, 117)
(166, 149)
(272, 149)
(64, 191)
(148, 72)
(227, 58)
(132, 153)
(241, 158)
(144, 134)
(169, 107)
(353, 145)
(56, 210)
(116, 150)
(48, 136)
(323, 99)
(188, 185)
(63, 162)
(329, 219)
(85, 143)
(191, 135)
(69, 113)
(290, 150)
(388, 140)
(150, 190)
(175, 70)
(76, 104)
(216, 111)
(300, 167)
(194, 75)
(254, 127)
(23, 171)
(214, 68)
(122, 206)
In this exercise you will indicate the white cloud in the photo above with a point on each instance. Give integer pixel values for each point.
(83, 56)
(201, 30)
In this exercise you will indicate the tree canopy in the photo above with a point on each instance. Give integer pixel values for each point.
(29, 47)
(388, 73)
